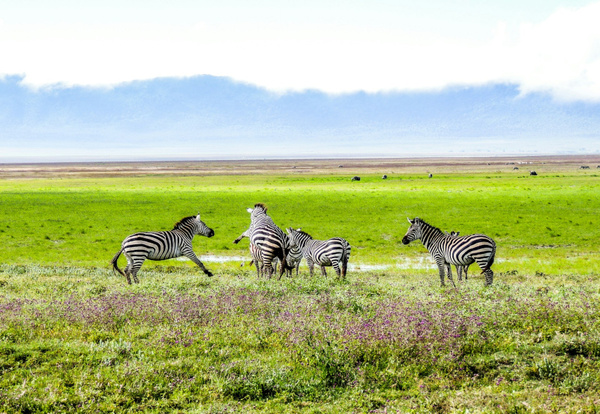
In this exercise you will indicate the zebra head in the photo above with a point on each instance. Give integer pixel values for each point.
(297, 237)
(414, 231)
(201, 228)
(258, 210)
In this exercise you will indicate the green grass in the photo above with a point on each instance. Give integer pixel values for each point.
(75, 338)
(544, 224)
(80, 340)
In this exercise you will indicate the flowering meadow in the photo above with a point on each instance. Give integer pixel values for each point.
(76, 338)
(79, 340)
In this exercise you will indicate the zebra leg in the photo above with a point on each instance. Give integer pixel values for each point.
(466, 268)
(441, 271)
(311, 267)
(489, 277)
(344, 268)
(192, 256)
(449, 271)
(134, 274)
(241, 236)
(257, 269)
(336, 267)
(323, 271)
(459, 272)
(130, 266)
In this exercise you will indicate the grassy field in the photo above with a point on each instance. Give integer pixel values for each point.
(75, 338)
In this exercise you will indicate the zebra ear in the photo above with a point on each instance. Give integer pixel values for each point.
(198, 216)
(409, 220)
(289, 230)
(249, 210)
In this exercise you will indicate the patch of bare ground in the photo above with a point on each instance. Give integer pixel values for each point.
(320, 166)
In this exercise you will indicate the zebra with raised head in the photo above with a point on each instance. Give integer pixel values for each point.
(333, 252)
(270, 240)
(162, 245)
(449, 250)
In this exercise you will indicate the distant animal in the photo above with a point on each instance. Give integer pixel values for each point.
(356, 178)
(532, 173)
(161, 245)
(334, 252)
(449, 250)
(384, 177)
(584, 167)
(515, 168)
(430, 175)
(267, 237)
(340, 166)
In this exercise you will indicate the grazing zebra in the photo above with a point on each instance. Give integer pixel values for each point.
(270, 240)
(447, 250)
(293, 258)
(162, 245)
(459, 268)
(332, 252)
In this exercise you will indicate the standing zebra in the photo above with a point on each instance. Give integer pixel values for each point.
(162, 245)
(332, 252)
(446, 249)
(267, 237)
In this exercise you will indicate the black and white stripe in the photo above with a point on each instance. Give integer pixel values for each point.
(267, 237)
(449, 250)
(292, 260)
(459, 268)
(162, 245)
(334, 252)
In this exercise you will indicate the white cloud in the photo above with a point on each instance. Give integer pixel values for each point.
(560, 55)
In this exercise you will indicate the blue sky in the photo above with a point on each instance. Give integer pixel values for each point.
(133, 80)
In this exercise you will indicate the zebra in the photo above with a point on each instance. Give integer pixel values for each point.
(292, 260)
(332, 252)
(460, 268)
(162, 245)
(447, 250)
(270, 240)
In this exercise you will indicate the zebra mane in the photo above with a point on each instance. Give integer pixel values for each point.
(183, 221)
(421, 221)
(261, 206)
(304, 234)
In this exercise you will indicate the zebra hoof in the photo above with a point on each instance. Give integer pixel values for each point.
(209, 274)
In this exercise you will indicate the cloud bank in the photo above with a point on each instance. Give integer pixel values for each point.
(331, 51)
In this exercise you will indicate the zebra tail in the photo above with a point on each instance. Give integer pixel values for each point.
(114, 262)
